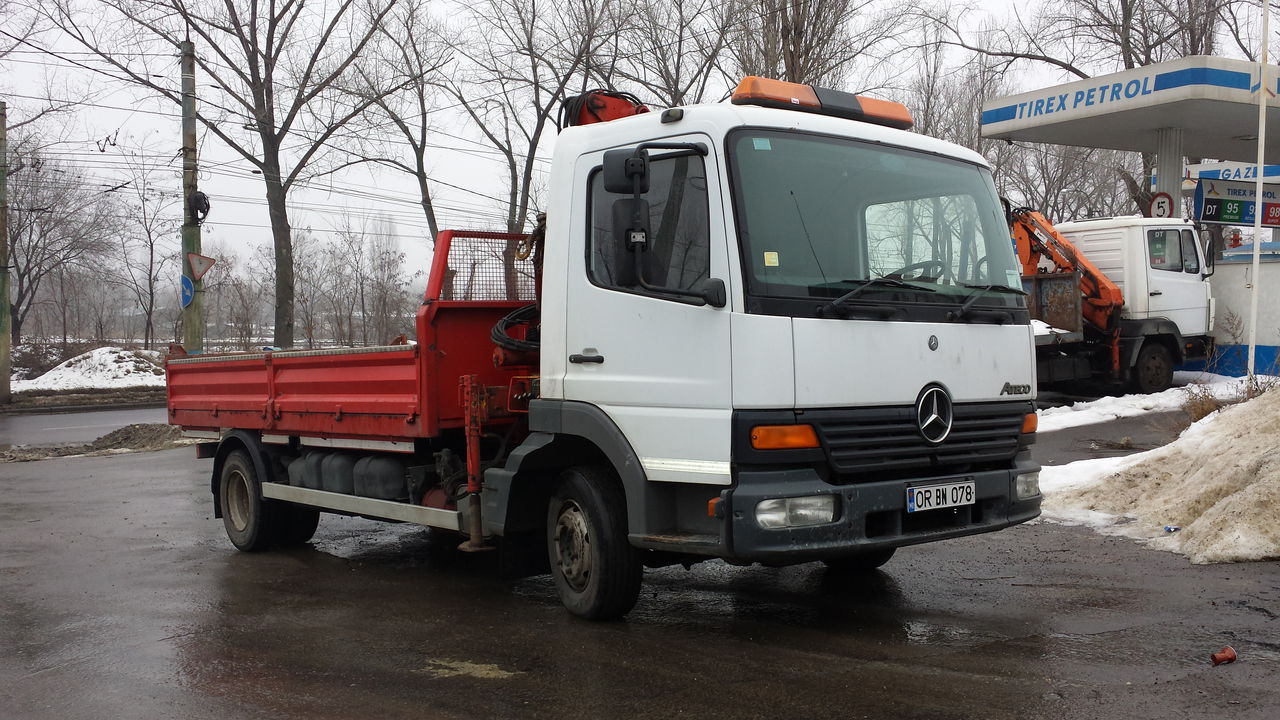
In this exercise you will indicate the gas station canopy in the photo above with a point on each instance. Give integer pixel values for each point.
(1210, 102)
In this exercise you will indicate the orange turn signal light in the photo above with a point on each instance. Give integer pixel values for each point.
(1030, 422)
(783, 437)
(807, 98)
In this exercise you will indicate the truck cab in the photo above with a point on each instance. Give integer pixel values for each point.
(872, 339)
(1158, 263)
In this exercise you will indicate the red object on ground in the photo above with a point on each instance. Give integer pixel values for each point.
(391, 392)
(1225, 655)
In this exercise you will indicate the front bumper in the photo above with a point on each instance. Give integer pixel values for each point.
(871, 516)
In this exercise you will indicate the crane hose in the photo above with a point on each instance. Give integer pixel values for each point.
(501, 334)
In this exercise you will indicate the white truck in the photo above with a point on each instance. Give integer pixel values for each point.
(1121, 299)
(775, 331)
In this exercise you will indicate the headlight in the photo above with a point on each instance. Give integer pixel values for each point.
(1027, 485)
(796, 511)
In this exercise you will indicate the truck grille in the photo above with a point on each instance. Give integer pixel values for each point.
(881, 443)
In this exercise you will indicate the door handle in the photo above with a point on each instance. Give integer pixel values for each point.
(1155, 293)
(576, 358)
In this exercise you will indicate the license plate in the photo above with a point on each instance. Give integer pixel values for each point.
(934, 497)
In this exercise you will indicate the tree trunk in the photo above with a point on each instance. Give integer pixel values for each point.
(428, 208)
(282, 237)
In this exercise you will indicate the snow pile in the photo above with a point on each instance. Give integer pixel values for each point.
(106, 367)
(1219, 481)
(1221, 387)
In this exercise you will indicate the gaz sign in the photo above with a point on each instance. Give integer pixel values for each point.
(1161, 206)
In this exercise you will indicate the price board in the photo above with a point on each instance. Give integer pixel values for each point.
(1234, 203)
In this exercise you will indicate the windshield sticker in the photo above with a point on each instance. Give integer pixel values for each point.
(771, 259)
(1012, 278)
(762, 143)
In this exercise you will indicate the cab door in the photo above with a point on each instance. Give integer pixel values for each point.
(657, 364)
(1175, 285)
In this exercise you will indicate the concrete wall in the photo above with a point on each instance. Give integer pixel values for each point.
(1230, 283)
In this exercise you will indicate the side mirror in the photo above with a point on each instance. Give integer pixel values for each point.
(622, 168)
(713, 291)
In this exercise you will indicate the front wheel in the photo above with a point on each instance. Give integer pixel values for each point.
(597, 572)
(1154, 370)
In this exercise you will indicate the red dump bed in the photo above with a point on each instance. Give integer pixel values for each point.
(393, 392)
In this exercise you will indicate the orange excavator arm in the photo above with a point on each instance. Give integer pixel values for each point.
(1037, 238)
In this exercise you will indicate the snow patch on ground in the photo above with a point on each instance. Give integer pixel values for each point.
(105, 367)
(1219, 481)
(1111, 408)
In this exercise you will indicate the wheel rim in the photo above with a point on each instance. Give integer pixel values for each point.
(573, 546)
(238, 499)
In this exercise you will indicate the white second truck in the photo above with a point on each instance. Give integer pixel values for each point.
(1125, 299)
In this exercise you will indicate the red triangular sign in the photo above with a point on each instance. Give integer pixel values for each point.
(199, 264)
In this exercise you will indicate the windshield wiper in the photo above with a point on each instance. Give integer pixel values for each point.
(836, 306)
(966, 305)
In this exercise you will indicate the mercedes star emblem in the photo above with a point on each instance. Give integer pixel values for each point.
(933, 414)
(933, 342)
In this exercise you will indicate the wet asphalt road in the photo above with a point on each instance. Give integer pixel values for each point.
(71, 428)
(120, 597)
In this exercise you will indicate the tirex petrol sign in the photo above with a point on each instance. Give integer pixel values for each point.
(1126, 90)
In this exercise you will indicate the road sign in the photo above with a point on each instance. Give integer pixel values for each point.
(200, 264)
(1161, 206)
(188, 291)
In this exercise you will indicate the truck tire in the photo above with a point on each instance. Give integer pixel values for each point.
(860, 562)
(597, 572)
(245, 515)
(1153, 370)
(294, 524)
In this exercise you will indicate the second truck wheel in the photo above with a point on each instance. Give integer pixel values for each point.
(1153, 371)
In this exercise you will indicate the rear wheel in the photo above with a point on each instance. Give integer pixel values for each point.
(1154, 370)
(597, 572)
(861, 562)
(245, 515)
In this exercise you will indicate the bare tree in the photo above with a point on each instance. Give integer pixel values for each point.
(671, 48)
(815, 42)
(146, 245)
(280, 71)
(413, 58)
(517, 59)
(55, 222)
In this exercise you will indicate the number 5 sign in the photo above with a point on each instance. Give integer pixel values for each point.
(1161, 206)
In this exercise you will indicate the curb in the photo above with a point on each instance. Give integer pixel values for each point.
(62, 409)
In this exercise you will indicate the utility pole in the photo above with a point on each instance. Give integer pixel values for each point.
(192, 310)
(5, 342)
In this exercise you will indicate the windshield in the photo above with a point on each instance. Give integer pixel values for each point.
(820, 216)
